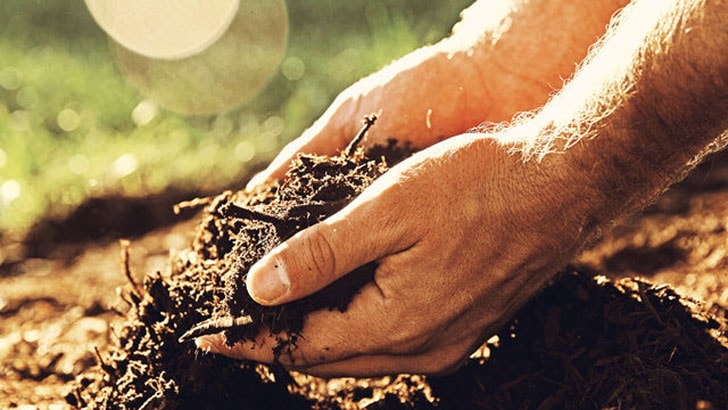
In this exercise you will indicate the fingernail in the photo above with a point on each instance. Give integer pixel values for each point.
(268, 281)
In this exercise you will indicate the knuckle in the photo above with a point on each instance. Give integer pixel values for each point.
(319, 257)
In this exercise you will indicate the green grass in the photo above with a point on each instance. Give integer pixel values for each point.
(66, 113)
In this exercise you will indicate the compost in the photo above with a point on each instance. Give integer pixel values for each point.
(587, 341)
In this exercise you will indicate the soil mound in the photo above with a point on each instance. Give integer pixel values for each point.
(585, 342)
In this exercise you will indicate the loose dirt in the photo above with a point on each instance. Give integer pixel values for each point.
(597, 337)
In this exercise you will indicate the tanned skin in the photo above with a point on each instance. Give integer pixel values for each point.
(470, 228)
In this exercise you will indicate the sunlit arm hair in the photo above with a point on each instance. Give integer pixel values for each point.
(649, 102)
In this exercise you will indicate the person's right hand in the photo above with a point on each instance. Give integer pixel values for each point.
(502, 59)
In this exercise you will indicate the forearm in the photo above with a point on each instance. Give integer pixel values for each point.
(504, 57)
(525, 49)
(649, 103)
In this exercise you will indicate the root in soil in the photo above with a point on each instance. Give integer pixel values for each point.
(585, 342)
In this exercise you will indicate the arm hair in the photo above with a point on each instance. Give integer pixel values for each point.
(649, 102)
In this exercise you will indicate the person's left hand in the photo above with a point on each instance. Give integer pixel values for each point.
(464, 234)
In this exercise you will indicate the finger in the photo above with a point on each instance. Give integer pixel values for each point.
(259, 350)
(444, 355)
(331, 342)
(430, 363)
(329, 134)
(366, 230)
(345, 350)
(328, 336)
(441, 355)
(309, 143)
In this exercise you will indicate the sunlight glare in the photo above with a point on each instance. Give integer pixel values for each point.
(164, 29)
(193, 56)
(10, 190)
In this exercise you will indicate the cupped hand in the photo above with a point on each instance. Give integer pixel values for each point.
(501, 59)
(464, 234)
(421, 99)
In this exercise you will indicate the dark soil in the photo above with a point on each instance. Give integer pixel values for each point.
(585, 342)
(153, 367)
(102, 219)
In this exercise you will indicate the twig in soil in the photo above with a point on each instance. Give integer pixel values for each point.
(234, 210)
(191, 204)
(125, 245)
(214, 325)
(368, 122)
(642, 288)
(150, 401)
(109, 369)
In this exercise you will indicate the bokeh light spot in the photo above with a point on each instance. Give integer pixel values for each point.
(78, 164)
(164, 29)
(144, 113)
(222, 76)
(68, 120)
(244, 151)
(10, 190)
(10, 78)
(27, 97)
(124, 165)
(293, 68)
(274, 125)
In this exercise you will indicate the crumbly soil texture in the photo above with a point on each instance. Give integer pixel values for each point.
(155, 364)
(597, 337)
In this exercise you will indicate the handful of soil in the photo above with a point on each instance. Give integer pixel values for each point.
(154, 365)
(583, 343)
(313, 189)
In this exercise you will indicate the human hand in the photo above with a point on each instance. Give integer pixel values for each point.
(502, 59)
(421, 99)
(463, 232)
(466, 231)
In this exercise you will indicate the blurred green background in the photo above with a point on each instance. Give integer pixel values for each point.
(71, 128)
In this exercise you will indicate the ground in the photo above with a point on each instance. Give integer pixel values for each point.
(55, 310)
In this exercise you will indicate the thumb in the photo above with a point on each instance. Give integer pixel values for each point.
(318, 255)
